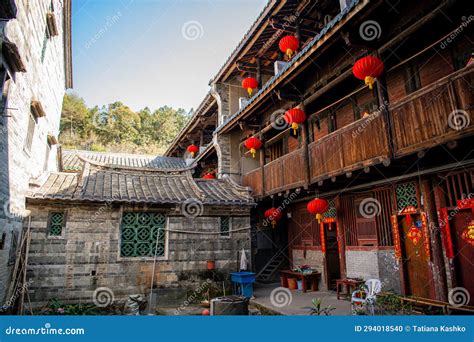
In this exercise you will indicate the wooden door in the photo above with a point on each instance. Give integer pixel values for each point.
(332, 255)
(463, 253)
(415, 265)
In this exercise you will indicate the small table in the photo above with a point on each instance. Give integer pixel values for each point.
(350, 283)
(312, 277)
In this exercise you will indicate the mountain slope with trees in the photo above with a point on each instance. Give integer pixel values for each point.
(117, 128)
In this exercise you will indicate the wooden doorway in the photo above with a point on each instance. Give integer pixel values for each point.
(333, 267)
(416, 275)
(463, 253)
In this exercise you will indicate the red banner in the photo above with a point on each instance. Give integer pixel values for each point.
(396, 238)
(426, 235)
(446, 232)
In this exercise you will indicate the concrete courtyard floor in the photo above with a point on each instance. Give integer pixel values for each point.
(300, 303)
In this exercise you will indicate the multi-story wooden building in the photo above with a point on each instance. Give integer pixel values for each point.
(35, 70)
(394, 162)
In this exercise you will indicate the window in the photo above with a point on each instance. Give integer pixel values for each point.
(225, 226)
(406, 195)
(56, 223)
(412, 78)
(142, 235)
(30, 133)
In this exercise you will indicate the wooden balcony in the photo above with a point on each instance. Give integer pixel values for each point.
(282, 174)
(360, 144)
(424, 118)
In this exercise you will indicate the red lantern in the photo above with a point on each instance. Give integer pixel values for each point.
(193, 149)
(253, 144)
(318, 207)
(288, 45)
(414, 234)
(294, 117)
(368, 69)
(250, 83)
(274, 215)
(208, 176)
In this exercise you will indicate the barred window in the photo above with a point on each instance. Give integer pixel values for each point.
(225, 226)
(142, 235)
(56, 223)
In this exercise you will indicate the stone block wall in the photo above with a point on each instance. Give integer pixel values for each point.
(71, 268)
(44, 81)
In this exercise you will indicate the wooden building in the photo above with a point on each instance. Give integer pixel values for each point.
(394, 162)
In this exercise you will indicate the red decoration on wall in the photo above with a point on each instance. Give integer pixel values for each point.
(368, 68)
(323, 240)
(274, 215)
(288, 45)
(426, 234)
(414, 234)
(209, 176)
(294, 117)
(468, 233)
(253, 144)
(467, 203)
(318, 207)
(396, 238)
(193, 149)
(250, 83)
(446, 232)
(408, 211)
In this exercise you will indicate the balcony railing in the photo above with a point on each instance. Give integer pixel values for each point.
(360, 144)
(253, 179)
(433, 115)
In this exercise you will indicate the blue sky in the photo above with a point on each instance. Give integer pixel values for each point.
(154, 52)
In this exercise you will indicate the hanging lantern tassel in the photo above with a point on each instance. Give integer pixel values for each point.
(294, 125)
(253, 152)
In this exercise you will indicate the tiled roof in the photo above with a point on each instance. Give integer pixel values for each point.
(73, 160)
(293, 61)
(103, 184)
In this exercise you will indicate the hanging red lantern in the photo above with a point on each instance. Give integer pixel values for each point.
(193, 149)
(250, 83)
(294, 117)
(274, 215)
(253, 144)
(368, 69)
(208, 176)
(468, 233)
(318, 207)
(414, 234)
(288, 45)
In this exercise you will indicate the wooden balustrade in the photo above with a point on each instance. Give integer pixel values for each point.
(253, 179)
(433, 115)
(354, 146)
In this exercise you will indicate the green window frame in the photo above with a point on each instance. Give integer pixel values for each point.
(406, 195)
(56, 223)
(224, 226)
(142, 234)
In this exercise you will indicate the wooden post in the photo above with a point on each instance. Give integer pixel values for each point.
(259, 73)
(262, 167)
(341, 243)
(305, 142)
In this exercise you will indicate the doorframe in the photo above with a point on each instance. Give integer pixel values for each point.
(323, 247)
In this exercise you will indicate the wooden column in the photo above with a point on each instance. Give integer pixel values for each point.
(437, 263)
(305, 142)
(341, 242)
(262, 167)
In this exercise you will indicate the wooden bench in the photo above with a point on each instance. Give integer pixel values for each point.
(425, 305)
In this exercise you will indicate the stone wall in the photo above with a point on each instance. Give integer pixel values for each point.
(71, 268)
(44, 80)
(378, 264)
